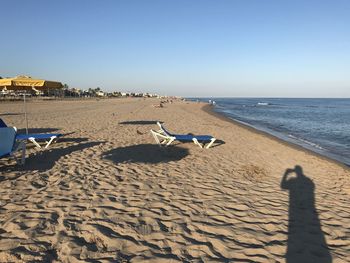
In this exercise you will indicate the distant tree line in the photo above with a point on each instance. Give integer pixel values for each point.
(73, 92)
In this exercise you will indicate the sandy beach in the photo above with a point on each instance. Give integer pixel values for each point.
(105, 192)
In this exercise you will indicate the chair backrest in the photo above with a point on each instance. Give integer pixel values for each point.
(163, 129)
(7, 140)
(2, 124)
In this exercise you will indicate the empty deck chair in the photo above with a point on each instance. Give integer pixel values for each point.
(9, 146)
(35, 137)
(164, 137)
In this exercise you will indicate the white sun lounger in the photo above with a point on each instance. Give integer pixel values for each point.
(163, 137)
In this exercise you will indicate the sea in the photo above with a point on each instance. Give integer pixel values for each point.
(319, 125)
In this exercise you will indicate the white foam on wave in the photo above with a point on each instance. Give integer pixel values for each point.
(306, 142)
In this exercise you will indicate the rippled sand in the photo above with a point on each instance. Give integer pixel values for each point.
(106, 192)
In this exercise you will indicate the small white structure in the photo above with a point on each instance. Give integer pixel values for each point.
(100, 94)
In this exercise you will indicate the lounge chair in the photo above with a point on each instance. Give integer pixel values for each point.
(9, 146)
(163, 137)
(34, 137)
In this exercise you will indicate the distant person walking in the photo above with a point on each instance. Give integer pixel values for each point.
(306, 242)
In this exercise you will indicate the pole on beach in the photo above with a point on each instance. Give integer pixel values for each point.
(25, 111)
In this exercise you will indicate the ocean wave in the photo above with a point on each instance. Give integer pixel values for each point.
(306, 142)
(263, 104)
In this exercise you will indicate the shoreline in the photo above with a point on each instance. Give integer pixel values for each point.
(210, 110)
(106, 191)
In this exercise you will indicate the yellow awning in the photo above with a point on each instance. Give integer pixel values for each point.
(24, 82)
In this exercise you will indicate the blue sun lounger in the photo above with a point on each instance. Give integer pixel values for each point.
(164, 137)
(8, 145)
(34, 137)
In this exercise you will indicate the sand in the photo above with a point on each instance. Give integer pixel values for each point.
(105, 192)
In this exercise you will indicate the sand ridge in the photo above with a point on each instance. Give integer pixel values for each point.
(106, 193)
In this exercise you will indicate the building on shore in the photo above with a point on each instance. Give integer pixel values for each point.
(27, 85)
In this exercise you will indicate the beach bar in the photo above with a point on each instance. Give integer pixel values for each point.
(24, 85)
(28, 84)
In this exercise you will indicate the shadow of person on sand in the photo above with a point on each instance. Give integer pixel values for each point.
(145, 153)
(306, 241)
(42, 161)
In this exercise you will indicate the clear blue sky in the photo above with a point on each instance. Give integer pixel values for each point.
(182, 47)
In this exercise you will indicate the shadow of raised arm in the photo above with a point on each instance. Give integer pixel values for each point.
(285, 181)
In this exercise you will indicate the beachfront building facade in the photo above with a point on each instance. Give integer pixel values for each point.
(27, 85)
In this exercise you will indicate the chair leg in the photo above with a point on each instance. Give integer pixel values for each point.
(50, 141)
(35, 142)
(21, 146)
(196, 142)
(211, 143)
(164, 140)
(23, 153)
(170, 141)
(156, 138)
